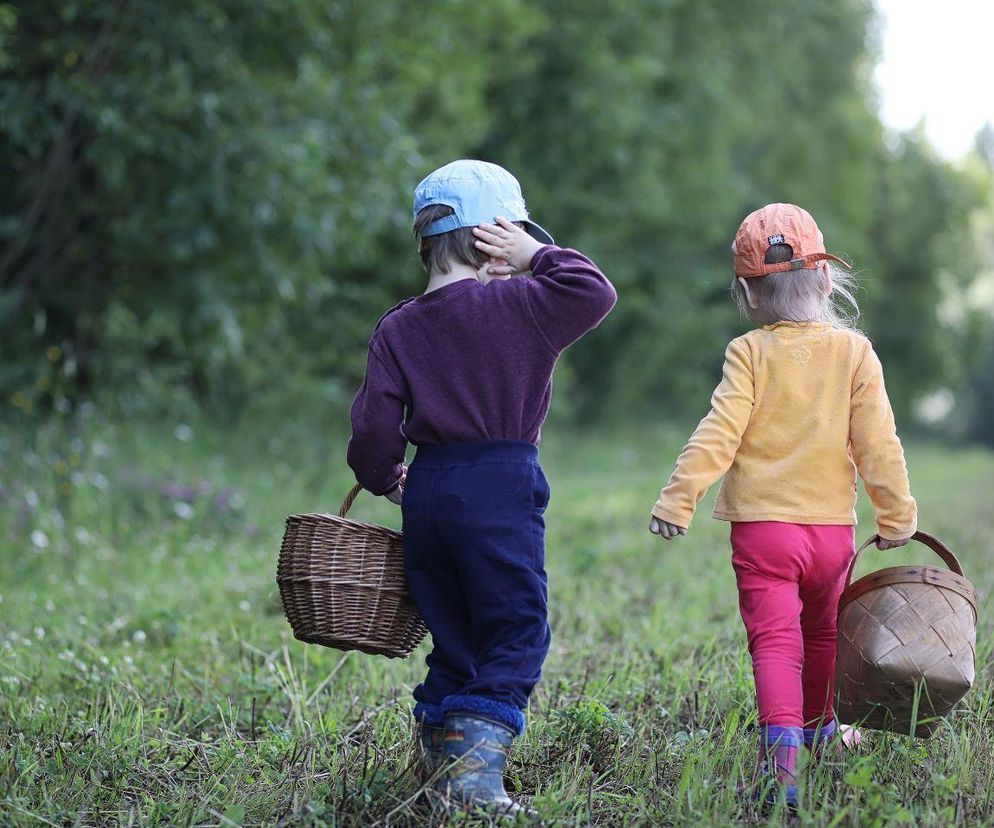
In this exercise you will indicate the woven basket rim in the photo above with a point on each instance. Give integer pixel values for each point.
(322, 517)
(911, 574)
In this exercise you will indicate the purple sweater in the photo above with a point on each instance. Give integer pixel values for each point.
(471, 362)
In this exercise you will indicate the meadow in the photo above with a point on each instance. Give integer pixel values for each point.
(148, 677)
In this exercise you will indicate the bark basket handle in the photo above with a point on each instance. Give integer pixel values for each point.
(349, 500)
(932, 542)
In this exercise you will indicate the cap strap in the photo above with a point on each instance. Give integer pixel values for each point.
(797, 264)
(446, 224)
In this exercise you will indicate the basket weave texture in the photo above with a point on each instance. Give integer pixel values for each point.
(906, 644)
(343, 584)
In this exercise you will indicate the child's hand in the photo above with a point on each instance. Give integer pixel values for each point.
(883, 543)
(664, 529)
(397, 495)
(509, 242)
(495, 269)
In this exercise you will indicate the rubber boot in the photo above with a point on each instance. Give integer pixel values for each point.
(815, 738)
(476, 753)
(778, 748)
(431, 750)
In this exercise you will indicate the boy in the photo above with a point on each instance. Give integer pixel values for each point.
(464, 372)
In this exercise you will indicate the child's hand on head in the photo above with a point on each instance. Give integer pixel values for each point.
(509, 242)
(665, 530)
(494, 269)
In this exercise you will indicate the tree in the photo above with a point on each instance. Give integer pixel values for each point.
(189, 177)
(207, 200)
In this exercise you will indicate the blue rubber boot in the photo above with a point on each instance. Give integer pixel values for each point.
(476, 752)
(778, 748)
(431, 750)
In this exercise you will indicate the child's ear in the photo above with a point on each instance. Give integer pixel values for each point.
(748, 294)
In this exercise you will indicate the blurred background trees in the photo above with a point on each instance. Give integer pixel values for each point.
(205, 203)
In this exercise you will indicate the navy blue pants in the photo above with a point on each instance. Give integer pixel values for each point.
(474, 544)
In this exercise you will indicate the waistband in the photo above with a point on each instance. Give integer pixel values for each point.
(489, 451)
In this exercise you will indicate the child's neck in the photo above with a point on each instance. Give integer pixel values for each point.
(457, 273)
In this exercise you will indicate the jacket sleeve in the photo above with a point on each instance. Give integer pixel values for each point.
(712, 447)
(378, 446)
(567, 295)
(877, 451)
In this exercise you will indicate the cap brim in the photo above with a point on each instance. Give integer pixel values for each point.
(539, 233)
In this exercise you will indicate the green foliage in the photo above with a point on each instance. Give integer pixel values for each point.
(979, 403)
(649, 129)
(206, 201)
(214, 182)
(926, 258)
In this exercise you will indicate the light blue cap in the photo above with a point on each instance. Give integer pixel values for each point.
(478, 192)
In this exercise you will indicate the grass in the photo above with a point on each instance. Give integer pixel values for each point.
(147, 676)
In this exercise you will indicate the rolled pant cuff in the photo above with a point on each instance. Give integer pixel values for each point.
(431, 715)
(505, 714)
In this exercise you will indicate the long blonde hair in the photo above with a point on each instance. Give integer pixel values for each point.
(799, 295)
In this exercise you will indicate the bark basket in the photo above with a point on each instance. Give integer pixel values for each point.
(906, 644)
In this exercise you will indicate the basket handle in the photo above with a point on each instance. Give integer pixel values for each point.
(932, 542)
(349, 500)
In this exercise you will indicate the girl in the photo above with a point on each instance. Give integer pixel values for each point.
(800, 409)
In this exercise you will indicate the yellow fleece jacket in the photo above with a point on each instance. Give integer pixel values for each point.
(801, 408)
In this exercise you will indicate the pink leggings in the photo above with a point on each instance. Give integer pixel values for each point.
(790, 577)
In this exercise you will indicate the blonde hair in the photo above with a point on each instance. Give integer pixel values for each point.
(799, 295)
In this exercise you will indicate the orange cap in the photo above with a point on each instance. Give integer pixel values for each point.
(778, 224)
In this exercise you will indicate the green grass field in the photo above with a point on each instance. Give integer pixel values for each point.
(148, 677)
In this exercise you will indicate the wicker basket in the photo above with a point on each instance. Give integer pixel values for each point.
(906, 638)
(343, 585)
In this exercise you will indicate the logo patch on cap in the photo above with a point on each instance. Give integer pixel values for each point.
(777, 239)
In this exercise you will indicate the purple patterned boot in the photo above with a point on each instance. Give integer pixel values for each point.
(778, 748)
(815, 738)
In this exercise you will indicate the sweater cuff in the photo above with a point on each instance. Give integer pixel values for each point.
(545, 248)
(382, 491)
(676, 518)
(891, 534)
